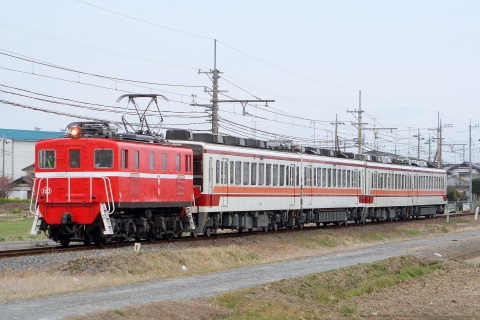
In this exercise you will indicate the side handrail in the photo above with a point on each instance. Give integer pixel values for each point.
(109, 195)
(35, 195)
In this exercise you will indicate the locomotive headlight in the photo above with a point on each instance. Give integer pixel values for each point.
(75, 132)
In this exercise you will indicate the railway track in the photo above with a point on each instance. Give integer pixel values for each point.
(59, 249)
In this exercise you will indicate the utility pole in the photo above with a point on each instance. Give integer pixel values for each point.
(359, 123)
(418, 136)
(215, 77)
(3, 158)
(470, 198)
(214, 106)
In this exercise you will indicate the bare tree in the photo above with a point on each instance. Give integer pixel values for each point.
(6, 187)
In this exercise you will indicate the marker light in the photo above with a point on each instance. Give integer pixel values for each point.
(75, 132)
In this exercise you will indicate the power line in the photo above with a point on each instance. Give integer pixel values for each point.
(146, 22)
(24, 58)
(89, 47)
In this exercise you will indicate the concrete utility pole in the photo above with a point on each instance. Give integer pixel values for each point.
(215, 76)
(418, 136)
(470, 198)
(359, 123)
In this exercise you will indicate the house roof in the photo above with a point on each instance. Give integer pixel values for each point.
(463, 165)
(28, 135)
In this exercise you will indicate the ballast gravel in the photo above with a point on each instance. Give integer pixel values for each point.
(436, 249)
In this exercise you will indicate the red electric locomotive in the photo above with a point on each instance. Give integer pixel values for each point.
(97, 184)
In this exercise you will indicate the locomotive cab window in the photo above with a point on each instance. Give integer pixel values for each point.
(74, 156)
(103, 158)
(47, 159)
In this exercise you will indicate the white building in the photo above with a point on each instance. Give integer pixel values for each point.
(17, 151)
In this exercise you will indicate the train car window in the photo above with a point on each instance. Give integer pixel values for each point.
(275, 175)
(222, 173)
(261, 174)
(124, 158)
(324, 177)
(355, 178)
(329, 177)
(103, 158)
(217, 171)
(349, 182)
(74, 158)
(232, 172)
(188, 162)
(136, 159)
(152, 161)
(178, 162)
(164, 161)
(282, 175)
(238, 173)
(268, 173)
(298, 176)
(253, 176)
(287, 176)
(246, 173)
(225, 172)
(47, 159)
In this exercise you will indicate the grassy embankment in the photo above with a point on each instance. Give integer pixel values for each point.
(16, 221)
(323, 295)
(161, 261)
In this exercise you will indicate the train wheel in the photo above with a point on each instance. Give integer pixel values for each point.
(208, 232)
(265, 229)
(193, 234)
(301, 225)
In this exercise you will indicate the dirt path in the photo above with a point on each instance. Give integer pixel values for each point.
(437, 248)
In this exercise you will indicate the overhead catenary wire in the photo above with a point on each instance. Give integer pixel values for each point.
(90, 47)
(46, 64)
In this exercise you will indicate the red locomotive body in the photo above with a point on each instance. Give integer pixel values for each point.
(96, 181)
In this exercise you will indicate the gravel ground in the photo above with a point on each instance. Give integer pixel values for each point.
(450, 246)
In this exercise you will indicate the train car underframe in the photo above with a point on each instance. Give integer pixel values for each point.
(272, 220)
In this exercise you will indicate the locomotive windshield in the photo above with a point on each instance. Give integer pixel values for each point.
(103, 158)
(47, 159)
(74, 158)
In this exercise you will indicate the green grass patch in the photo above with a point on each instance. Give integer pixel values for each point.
(18, 230)
(13, 200)
(318, 241)
(326, 294)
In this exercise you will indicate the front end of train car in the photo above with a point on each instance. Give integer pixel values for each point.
(95, 186)
(73, 189)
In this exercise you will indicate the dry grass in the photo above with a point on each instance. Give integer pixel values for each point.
(325, 295)
(117, 267)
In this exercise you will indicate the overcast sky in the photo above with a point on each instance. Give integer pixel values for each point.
(413, 61)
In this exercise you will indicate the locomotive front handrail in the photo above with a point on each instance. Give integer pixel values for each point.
(38, 182)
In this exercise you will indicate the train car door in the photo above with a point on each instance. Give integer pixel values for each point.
(292, 183)
(225, 181)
